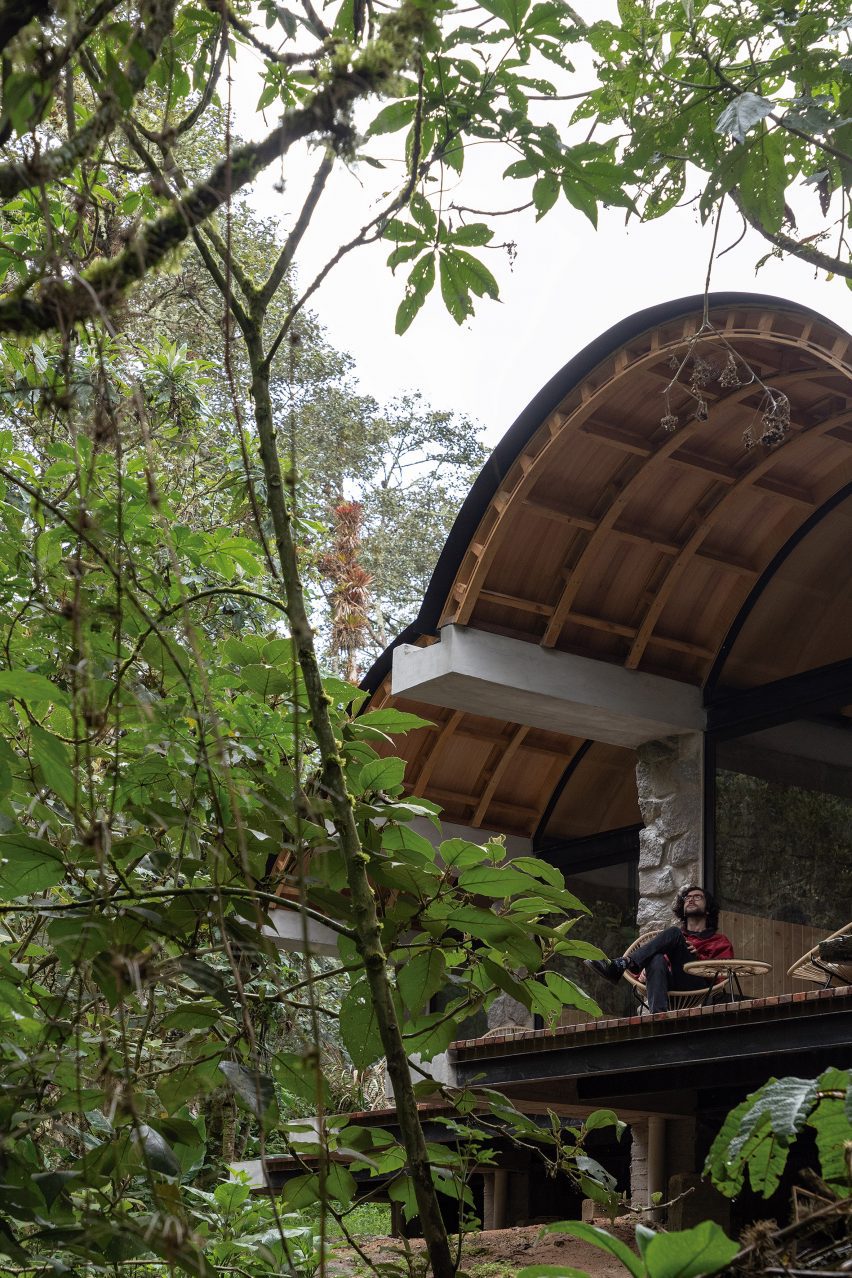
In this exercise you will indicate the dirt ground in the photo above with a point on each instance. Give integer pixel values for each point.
(496, 1253)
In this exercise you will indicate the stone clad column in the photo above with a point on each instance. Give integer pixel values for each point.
(669, 781)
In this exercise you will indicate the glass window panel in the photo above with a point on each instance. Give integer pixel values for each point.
(784, 825)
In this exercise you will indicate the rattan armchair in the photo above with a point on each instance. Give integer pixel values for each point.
(678, 999)
(810, 967)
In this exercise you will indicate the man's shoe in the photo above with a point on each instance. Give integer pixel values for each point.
(610, 969)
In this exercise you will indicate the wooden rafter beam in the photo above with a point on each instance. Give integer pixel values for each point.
(515, 601)
(498, 772)
(548, 510)
(582, 403)
(441, 737)
(756, 477)
(608, 433)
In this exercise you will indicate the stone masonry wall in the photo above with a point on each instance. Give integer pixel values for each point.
(669, 780)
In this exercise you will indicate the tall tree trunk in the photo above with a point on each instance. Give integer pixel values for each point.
(365, 916)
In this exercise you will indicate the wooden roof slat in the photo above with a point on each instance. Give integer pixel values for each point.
(441, 738)
(601, 623)
(618, 438)
(791, 492)
(719, 470)
(756, 477)
(591, 394)
(683, 645)
(498, 772)
(515, 601)
(548, 511)
(557, 751)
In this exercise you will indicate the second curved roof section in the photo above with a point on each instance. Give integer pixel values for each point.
(595, 530)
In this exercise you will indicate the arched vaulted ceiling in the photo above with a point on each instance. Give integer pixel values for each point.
(593, 530)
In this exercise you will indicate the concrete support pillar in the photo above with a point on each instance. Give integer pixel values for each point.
(669, 781)
(488, 1200)
(501, 1197)
(647, 1160)
(656, 1158)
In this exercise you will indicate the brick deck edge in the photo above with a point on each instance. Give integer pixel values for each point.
(775, 1006)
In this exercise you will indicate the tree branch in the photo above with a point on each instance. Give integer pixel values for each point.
(155, 24)
(62, 302)
(294, 239)
(798, 248)
(272, 55)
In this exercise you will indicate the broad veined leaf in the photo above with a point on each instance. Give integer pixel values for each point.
(743, 114)
(28, 686)
(570, 995)
(604, 1118)
(340, 1184)
(833, 1135)
(545, 194)
(390, 722)
(396, 115)
(156, 1152)
(255, 1090)
(27, 865)
(474, 235)
(382, 774)
(420, 283)
(689, 1253)
(498, 881)
(600, 1238)
(54, 760)
(359, 1028)
(421, 977)
(266, 681)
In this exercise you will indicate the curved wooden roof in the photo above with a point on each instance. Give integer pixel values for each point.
(593, 530)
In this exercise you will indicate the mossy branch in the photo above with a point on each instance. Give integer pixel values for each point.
(61, 303)
(156, 19)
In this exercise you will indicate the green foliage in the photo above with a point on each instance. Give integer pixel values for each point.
(736, 100)
(688, 1253)
(757, 1136)
(160, 785)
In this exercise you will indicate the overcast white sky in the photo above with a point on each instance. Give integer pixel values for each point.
(568, 283)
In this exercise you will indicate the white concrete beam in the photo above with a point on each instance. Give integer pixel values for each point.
(287, 932)
(523, 683)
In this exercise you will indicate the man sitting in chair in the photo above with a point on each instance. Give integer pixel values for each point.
(664, 955)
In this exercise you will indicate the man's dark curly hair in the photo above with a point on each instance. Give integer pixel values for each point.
(712, 905)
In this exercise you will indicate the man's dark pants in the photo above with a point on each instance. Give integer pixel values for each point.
(662, 976)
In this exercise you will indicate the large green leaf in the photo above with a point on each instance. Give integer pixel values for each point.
(600, 1238)
(689, 1253)
(743, 114)
(255, 1090)
(156, 1152)
(359, 1027)
(834, 1139)
(54, 760)
(421, 977)
(31, 687)
(27, 865)
(498, 881)
(382, 774)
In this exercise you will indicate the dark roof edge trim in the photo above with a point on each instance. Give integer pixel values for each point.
(521, 431)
